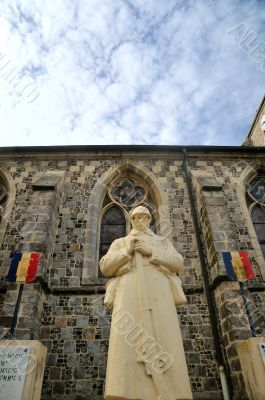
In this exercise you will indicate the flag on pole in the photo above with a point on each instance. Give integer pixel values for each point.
(23, 267)
(238, 266)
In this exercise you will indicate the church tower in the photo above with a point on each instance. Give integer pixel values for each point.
(256, 135)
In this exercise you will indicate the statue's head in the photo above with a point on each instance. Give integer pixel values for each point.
(140, 218)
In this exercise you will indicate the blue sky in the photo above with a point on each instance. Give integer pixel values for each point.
(129, 72)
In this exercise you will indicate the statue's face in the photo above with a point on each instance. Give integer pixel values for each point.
(140, 222)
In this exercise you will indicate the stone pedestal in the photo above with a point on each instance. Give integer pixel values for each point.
(22, 365)
(253, 366)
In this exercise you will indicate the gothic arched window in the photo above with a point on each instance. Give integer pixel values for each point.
(3, 198)
(113, 226)
(122, 197)
(256, 203)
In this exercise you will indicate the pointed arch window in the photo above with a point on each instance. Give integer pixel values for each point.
(256, 204)
(113, 226)
(123, 195)
(3, 198)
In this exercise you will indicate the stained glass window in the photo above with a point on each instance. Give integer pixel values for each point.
(128, 193)
(113, 226)
(122, 197)
(258, 219)
(3, 198)
(256, 202)
(257, 190)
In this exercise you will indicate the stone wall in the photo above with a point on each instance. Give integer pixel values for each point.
(50, 215)
(75, 329)
(256, 136)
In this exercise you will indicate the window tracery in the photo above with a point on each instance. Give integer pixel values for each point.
(123, 195)
(127, 193)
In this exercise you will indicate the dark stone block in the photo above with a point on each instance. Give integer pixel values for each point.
(238, 334)
(5, 321)
(235, 365)
(73, 359)
(58, 387)
(209, 384)
(235, 321)
(54, 373)
(229, 308)
(79, 373)
(188, 346)
(51, 359)
(74, 301)
(194, 358)
(69, 346)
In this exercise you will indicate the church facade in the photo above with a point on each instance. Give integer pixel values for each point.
(69, 203)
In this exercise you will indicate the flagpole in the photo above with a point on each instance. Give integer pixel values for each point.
(14, 319)
(246, 306)
(23, 269)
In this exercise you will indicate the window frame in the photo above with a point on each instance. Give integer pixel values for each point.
(125, 210)
(5, 199)
(253, 203)
(96, 201)
(7, 181)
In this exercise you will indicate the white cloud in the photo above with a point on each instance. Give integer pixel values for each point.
(123, 72)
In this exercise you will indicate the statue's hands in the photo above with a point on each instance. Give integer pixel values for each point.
(131, 245)
(142, 247)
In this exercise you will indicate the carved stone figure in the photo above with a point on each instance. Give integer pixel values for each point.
(146, 360)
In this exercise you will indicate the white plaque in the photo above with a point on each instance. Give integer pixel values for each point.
(13, 367)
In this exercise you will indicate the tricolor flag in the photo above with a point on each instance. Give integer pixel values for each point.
(238, 266)
(23, 267)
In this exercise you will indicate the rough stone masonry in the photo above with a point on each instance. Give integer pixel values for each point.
(54, 206)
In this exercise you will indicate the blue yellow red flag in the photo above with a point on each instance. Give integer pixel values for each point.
(238, 266)
(23, 267)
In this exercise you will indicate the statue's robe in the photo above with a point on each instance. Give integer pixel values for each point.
(126, 377)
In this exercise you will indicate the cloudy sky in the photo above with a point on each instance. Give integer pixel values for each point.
(130, 71)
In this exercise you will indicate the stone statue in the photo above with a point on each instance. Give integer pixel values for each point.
(146, 359)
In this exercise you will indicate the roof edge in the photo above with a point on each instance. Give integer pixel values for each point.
(128, 148)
